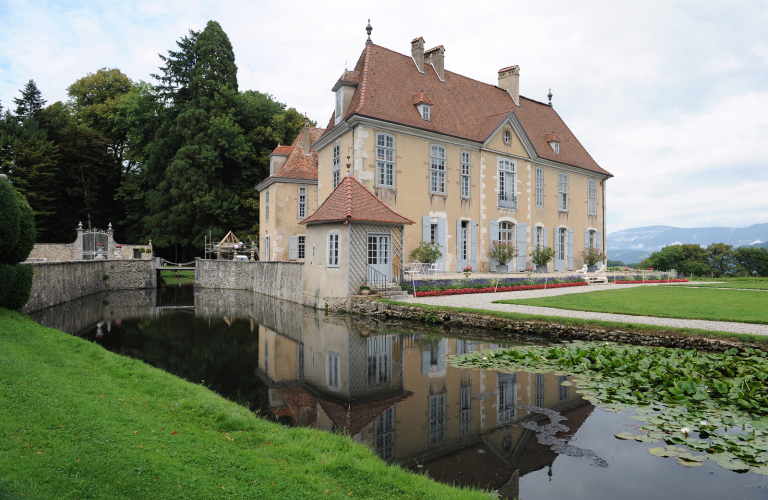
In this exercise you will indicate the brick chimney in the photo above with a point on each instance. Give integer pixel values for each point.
(305, 136)
(436, 57)
(417, 52)
(509, 80)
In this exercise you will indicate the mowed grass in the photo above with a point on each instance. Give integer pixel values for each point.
(665, 302)
(743, 283)
(77, 421)
(170, 277)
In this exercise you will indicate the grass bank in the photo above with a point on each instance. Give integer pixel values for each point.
(81, 422)
(606, 325)
(664, 302)
(178, 277)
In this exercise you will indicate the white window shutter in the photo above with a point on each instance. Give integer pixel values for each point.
(599, 246)
(493, 236)
(570, 249)
(459, 265)
(546, 238)
(522, 245)
(426, 229)
(474, 246)
(586, 238)
(442, 233)
(293, 248)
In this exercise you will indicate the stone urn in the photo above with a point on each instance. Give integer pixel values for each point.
(365, 292)
(541, 268)
(502, 268)
(591, 269)
(467, 273)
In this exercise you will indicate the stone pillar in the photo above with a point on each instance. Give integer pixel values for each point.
(76, 250)
(110, 240)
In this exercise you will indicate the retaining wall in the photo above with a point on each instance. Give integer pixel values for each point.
(280, 279)
(57, 282)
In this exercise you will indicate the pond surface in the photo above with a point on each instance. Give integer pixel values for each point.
(394, 391)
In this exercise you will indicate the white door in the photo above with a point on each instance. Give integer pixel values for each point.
(560, 244)
(378, 257)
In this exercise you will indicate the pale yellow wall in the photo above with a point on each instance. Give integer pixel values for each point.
(325, 165)
(411, 196)
(277, 355)
(283, 216)
(322, 283)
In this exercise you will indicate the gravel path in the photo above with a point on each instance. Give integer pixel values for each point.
(485, 301)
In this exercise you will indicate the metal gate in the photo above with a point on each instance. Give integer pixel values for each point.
(95, 242)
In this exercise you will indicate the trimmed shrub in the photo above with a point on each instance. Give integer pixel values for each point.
(17, 285)
(27, 231)
(9, 223)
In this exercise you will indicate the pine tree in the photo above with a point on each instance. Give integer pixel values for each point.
(31, 102)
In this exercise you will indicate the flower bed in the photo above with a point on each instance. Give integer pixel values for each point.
(635, 282)
(462, 291)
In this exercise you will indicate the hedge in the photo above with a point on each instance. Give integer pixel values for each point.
(638, 282)
(26, 233)
(9, 223)
(16, 285)
(463, 291)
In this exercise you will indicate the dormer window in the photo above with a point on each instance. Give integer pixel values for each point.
(271, 166)
(554, 142)
(424, 110)
(555, 147)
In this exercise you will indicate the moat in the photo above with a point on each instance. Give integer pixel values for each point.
(393, 391)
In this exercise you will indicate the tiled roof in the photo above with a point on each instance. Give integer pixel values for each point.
(282, 150)
(298, 165)
(462, 107)
(347, 78)
(421, 97)
(354, 417)
(351, 201)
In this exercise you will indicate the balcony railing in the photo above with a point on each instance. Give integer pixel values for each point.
(507, 200)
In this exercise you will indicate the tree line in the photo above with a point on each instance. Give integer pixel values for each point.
(717, 259)
(168, 161)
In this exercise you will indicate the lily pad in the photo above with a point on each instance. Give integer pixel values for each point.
(625, 435)
(645, 438)
(692, 458)
(687, 463)
(661, 451)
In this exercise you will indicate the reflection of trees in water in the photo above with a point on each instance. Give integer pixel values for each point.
(223, 352)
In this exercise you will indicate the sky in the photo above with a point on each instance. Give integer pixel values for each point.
(670, 97)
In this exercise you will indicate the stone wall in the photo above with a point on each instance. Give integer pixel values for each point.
(57, 282)
(279, 279)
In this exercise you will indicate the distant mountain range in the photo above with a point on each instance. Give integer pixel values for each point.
(633, 245)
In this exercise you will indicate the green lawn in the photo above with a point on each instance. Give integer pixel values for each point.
(665, 302)
(77, 421)
(169, 277)
(744, 283)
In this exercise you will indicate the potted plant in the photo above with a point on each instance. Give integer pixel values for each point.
(502, 252)
(467, 271)
(428, 252)
(591, 257)
(365, 290)
(541, 257)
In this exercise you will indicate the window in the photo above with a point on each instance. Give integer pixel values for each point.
(592, 194)
(507, 137)
(425, 111)
(562, 192)
(266, 209)
(592, 239)
(436, 419)
(507, 232)
(433, 233)
(332, 371)
(465, 410)
(302, 244)
(272, 166)
(384, 434)
(302, 202)
(555, 147)
(379, 361)
(437, 169)
(563, 389)
(339, 104)
(336, 166)
(333, 249)
(465, 177)
(539, 237)
(385, 160)
(562, 235)
(507, 397)
(540, 390)
(464, 249)
(507, 197)
(539, 188)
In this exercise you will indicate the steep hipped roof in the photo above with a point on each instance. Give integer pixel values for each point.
(461, 107)
(353, 418)
(298, 165)
(351, 201)
(282, 150)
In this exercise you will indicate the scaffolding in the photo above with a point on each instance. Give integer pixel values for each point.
(230, 247)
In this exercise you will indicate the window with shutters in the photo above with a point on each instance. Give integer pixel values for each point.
(591, 239)
(384, 434)
(266, 208)
(507, 232)
(464, 248)
(507, 407)
(437, 169)
(333, 248)
(436, 419)
(433, 233)
(507, 171)
(465, 174)
(539, 237)
(562, 238)
(539, 188)
(465, 410)
(562, 192)
(336, 166)
(302, 202)
(301, 245)
(562, 389)
(592, 194)
(333, 378)
(385, 160)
